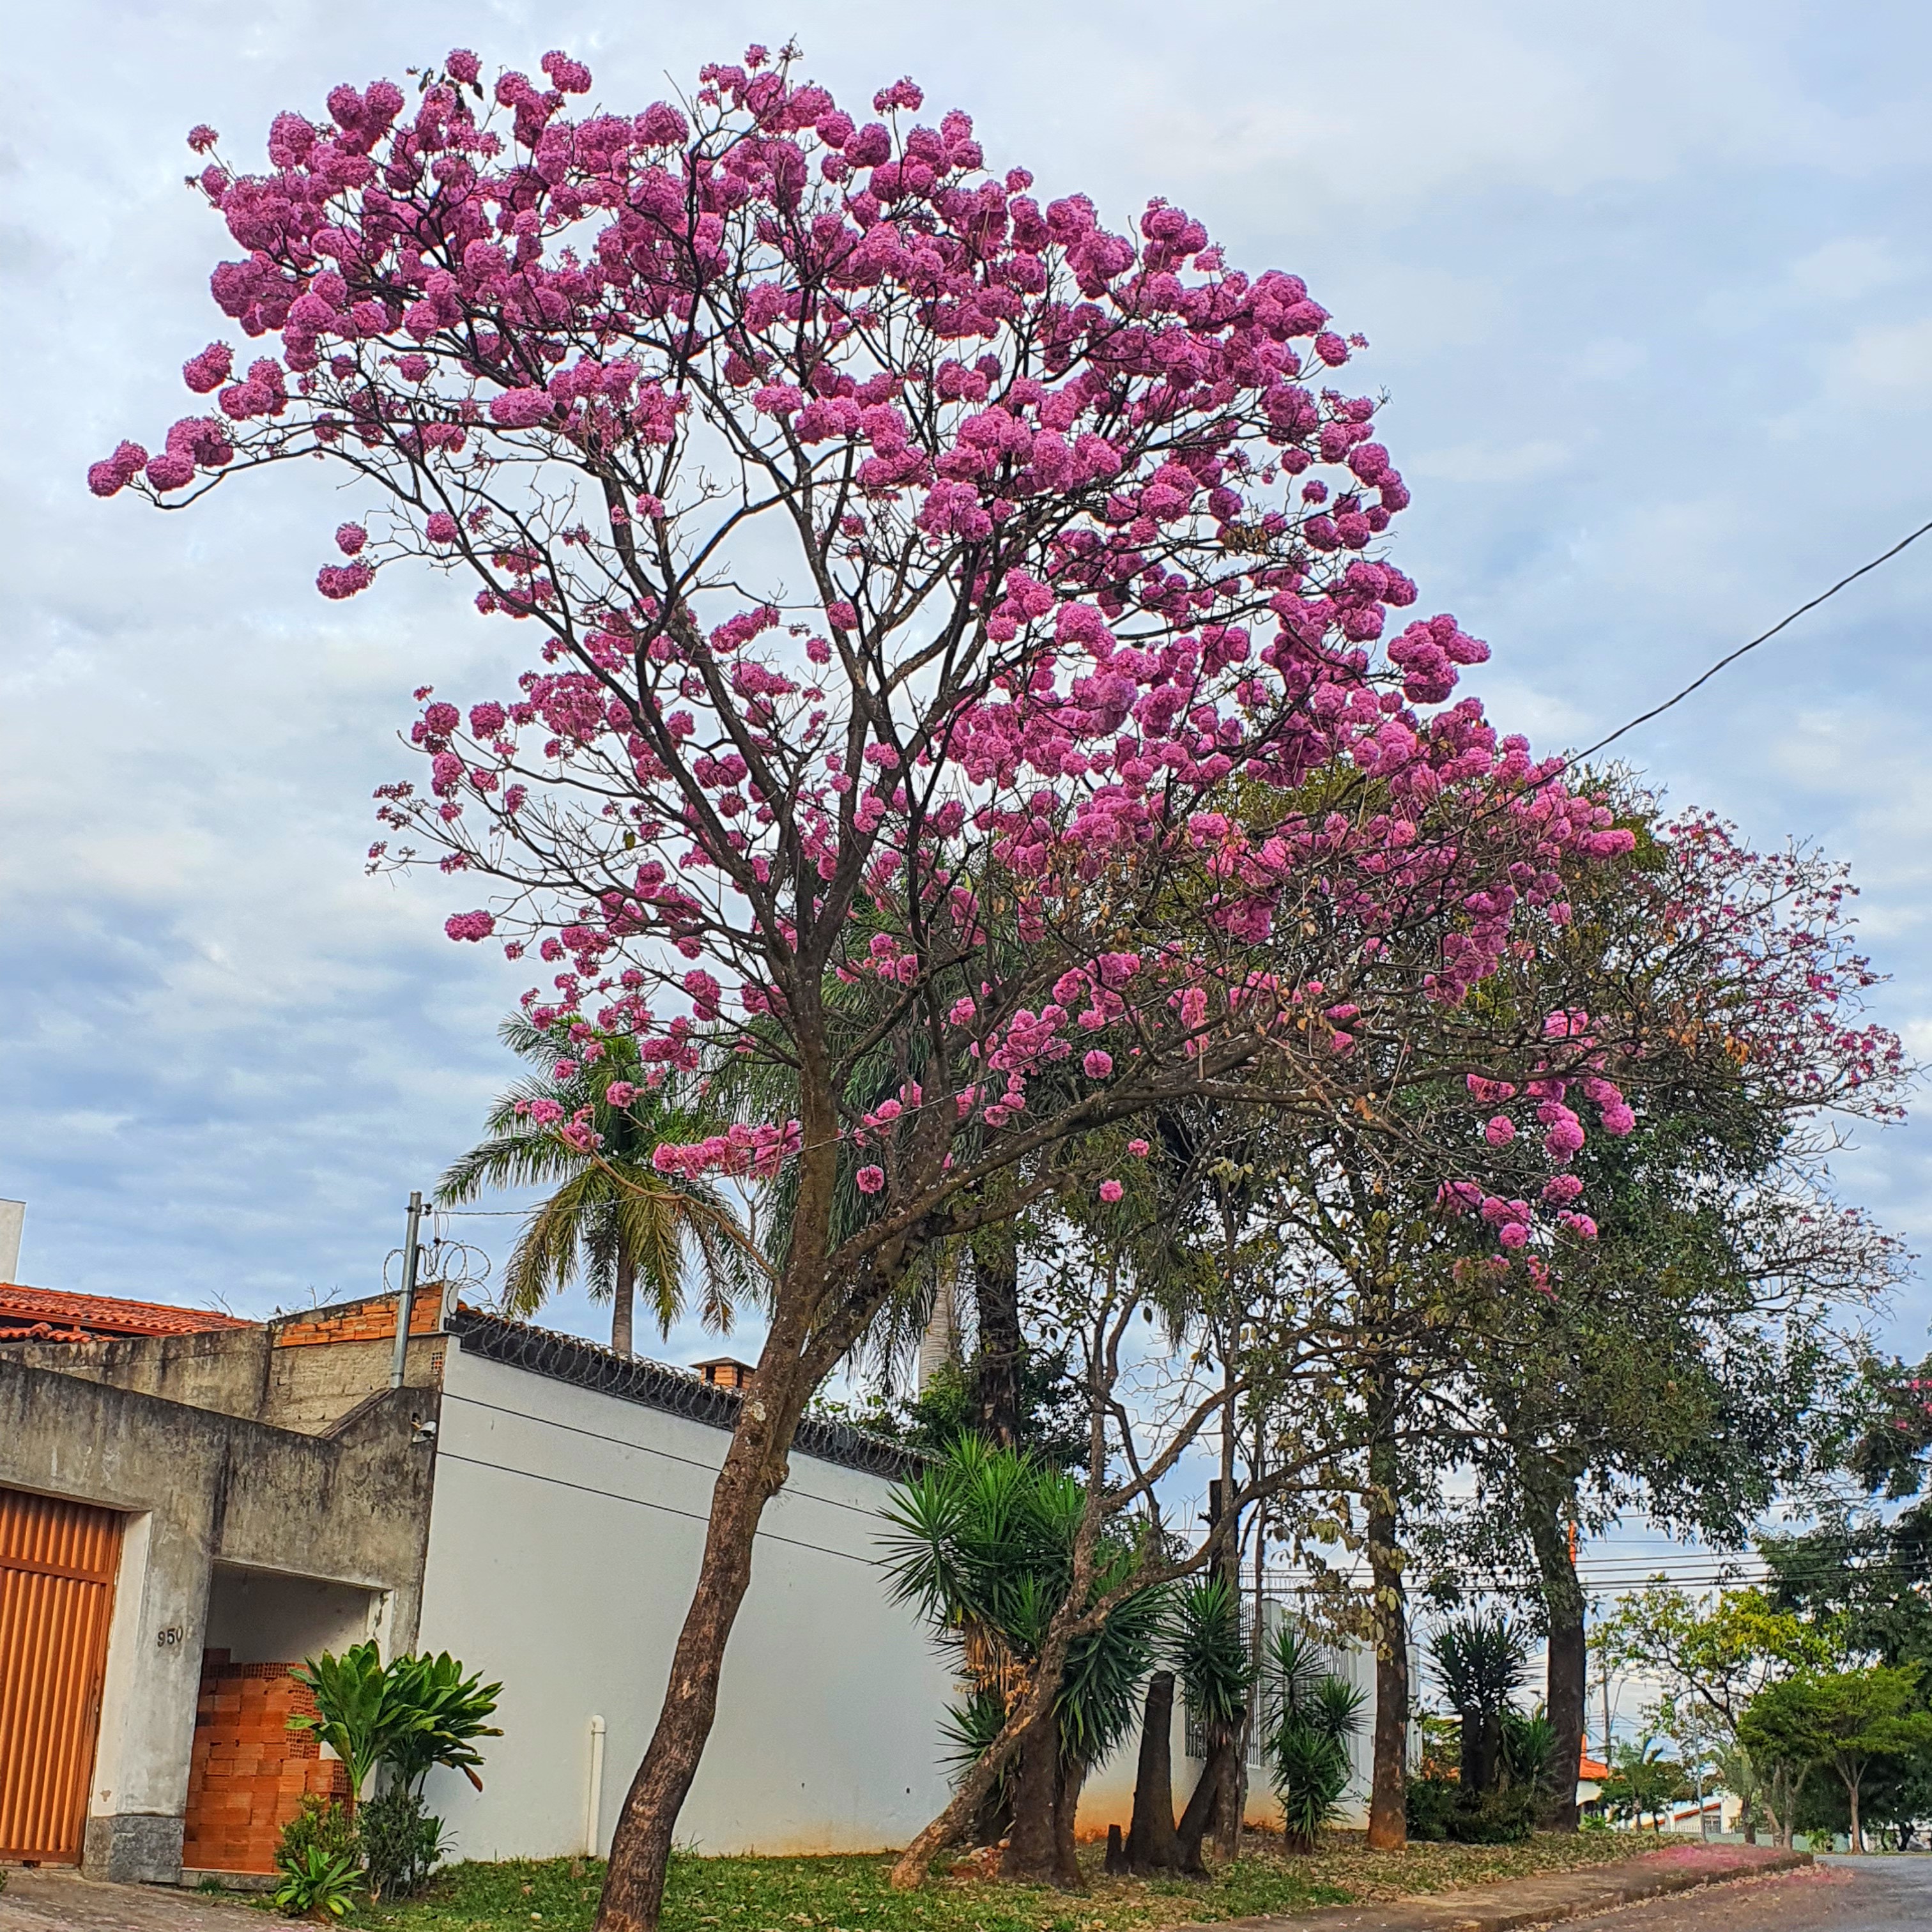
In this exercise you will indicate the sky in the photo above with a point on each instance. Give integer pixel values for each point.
(1649, 289)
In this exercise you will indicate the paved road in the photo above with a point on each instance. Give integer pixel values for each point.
(54, 1900)
(1838, 1895)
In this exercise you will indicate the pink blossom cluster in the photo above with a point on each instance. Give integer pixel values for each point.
(1098, 589)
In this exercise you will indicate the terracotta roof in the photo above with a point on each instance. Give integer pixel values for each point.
(49, 1315)
(1592, 1769)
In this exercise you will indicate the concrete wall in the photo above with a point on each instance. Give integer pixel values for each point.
(258, 1617)
(199, 1487)
(302, 1371)
(563, 1543)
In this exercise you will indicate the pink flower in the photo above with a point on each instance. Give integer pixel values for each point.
(442, 528)
(619, 1094)
(349, 537)
(463, 65)
(208, 371)
(1512, 1234)
(1097, 1064)
(870, 1179)
(1111, 1191)
(470, 925)
(521, 408)
(1139, 1149)
(338, 581)
(201, 137)
(1499, 1130)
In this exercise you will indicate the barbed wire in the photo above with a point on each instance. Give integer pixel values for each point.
(675, 1391)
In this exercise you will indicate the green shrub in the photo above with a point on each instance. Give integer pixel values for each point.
(1497, 1817)
(1432, 1807)
(321, 1825)
(315, 1883)
(400, 1842)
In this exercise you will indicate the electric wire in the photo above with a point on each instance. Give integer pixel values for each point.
(644, 1502)
(646, 1449)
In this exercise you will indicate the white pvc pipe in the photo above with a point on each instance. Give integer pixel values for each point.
(593, 1808)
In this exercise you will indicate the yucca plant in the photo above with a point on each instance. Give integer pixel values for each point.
(1211, 1659)
(980, 1542)
(1480, 1660)
(1312, 1714)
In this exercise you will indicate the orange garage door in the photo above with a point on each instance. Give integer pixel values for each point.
(57, 1566)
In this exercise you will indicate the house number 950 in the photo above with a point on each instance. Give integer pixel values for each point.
(167, 1639)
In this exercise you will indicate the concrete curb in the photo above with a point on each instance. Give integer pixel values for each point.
(1546, 1900)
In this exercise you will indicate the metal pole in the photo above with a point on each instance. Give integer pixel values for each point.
(406, 1301)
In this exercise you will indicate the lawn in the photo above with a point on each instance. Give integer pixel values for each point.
(850, 1894)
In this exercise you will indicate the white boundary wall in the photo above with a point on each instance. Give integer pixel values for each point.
(1107, 1798)
(564, 1539)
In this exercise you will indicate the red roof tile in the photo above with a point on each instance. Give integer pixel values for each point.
(49, 1315)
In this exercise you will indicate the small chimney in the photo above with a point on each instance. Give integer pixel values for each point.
(13, 1214)
(725, 1372)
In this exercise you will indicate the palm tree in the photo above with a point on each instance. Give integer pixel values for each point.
(612, 1216)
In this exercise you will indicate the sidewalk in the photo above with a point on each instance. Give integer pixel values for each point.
(55, 1899)
(1539, 1901)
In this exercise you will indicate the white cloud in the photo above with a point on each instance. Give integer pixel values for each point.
(1890, 362)
(1847, 269)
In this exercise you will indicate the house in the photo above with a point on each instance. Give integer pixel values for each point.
(188, 1510)
(191, 1506)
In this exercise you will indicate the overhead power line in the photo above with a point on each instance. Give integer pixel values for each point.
(1731, 657)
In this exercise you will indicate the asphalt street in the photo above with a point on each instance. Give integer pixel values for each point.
(1838, 1895)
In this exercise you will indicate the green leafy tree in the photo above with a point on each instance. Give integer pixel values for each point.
(611, 1217)
(1643, 1782)
(1711, 1655)
(1846, 1720)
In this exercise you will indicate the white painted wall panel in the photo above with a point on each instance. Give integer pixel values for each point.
(564, 1539)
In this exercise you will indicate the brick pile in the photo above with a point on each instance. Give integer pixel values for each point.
(365, 1321)
(249, 1772)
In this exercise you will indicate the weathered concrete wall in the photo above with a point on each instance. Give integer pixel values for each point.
(200, 1486)
(563, 1545)
(304, 1371)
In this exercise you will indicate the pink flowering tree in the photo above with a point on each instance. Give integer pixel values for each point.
(1712, 1000)
(961, 652)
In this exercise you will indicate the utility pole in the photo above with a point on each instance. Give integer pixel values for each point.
(406, 1301)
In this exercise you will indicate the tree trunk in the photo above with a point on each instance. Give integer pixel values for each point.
(623, 1302)
(1152, 1843)
(1858, 1843)
(996, 1290)
(1566, 1688)
(1388, 1793)
(1033, 1845)
(754, 1470)
(1066, 1809)
(1205, 1804)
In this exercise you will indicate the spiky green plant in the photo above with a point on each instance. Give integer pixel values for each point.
(980, 1542)
(1203, 1644)
(611, 1217)
(1311, 1714)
